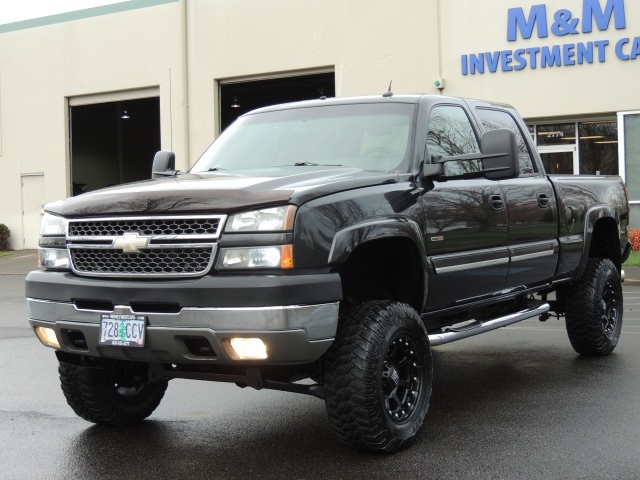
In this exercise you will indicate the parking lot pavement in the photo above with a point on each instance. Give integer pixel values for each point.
(19, 262)
(516, 403)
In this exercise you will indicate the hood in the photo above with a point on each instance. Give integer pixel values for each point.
(220, 192)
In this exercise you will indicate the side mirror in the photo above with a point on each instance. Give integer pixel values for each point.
(164, 164)
(501, 149)
(435, 169)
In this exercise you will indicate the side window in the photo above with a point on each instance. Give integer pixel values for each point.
(495, 119)
(450, 133)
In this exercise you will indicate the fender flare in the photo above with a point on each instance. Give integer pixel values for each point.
(593, 215)
(347, 240)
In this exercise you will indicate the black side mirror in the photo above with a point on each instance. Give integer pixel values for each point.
(501, 150)
(164, 164)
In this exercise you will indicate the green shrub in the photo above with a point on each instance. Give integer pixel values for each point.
(5, 234)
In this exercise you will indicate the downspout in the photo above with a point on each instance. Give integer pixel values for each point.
(184, 67)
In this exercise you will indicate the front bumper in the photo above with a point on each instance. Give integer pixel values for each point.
(206, 310)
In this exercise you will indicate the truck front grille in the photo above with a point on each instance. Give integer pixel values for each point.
(159, 226)
(144, 246)
(153, 261)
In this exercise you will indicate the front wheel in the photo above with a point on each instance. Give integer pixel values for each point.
(378, 376)
(118, 394)
(594, 309)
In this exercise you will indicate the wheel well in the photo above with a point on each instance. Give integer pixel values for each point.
(605, 241)
(386, 269)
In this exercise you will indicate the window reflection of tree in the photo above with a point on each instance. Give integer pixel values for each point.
(457, 209)
(596, 156)
(494, 120)
(450, 134)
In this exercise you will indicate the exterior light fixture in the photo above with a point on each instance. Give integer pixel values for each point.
(125, 115)
(249, 348)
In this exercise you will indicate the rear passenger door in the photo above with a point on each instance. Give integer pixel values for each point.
(466, 220)
(531, 208)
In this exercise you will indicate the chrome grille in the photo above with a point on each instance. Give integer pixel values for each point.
(164, 246)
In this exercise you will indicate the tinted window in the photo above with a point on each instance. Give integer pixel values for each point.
(496, 119)
(449, 134)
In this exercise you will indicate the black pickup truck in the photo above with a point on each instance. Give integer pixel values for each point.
(324, 247)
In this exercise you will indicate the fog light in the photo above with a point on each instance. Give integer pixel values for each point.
(249, 348)
(53, 258)
(47, 336)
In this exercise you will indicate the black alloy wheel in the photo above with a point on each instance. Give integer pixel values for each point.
(594, 309)
(401, 378)
(377, 376)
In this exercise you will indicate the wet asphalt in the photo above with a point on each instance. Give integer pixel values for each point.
(516, 403)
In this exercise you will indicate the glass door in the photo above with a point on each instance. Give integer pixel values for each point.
(560, 159)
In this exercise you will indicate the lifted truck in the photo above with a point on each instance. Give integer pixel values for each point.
(333, 241)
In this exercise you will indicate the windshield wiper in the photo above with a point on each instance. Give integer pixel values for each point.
(311, 164)
(215, 169)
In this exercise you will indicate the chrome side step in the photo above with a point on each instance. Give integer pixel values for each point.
(449, 334)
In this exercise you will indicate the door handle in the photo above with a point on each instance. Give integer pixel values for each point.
(497, 202)
(543, 200)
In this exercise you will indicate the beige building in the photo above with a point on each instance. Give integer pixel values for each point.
(87, 97)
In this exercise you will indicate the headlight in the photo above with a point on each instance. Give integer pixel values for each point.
(53, 258)
(53, 225)
(256, 257)
(266, 219)
(52, 234)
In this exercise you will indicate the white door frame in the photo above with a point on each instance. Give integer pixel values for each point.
(561, 149)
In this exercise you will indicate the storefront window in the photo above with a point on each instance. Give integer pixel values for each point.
(558, 134)
(588, 147)
(598, 148)
(632, 163)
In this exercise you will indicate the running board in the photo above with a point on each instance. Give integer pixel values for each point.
(448, 335)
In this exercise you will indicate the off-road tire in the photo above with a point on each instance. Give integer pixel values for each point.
(96, 395)
(594, 309)
(377, 376)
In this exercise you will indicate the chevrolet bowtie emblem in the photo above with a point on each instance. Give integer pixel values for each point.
(131, 242)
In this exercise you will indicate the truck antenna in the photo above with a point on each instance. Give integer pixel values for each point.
(388, 93)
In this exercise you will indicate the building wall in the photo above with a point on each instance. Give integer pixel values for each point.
(105, 56)
(185, 49)
(367, 42)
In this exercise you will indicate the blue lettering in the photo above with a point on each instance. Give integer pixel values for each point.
(506, 58)
(601, 45)
(492, 60)
(516, 21)
(619, 53)
(592, 10)
(551, 57)
(521, 62)
(568, 54)
(476, 63)
(585, 52)
(564, 24)
(533, 56)
(465, 62)
(635, 49)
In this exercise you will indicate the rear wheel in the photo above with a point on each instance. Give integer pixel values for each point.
(594, 309)
(118, 394)
(378, 376)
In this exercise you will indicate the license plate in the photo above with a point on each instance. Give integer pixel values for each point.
(119, 330)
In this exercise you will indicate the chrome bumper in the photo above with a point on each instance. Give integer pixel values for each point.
(293, 334)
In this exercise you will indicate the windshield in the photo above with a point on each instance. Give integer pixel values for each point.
(374, 136)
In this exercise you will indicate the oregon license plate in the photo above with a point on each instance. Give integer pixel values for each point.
(120, 330)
